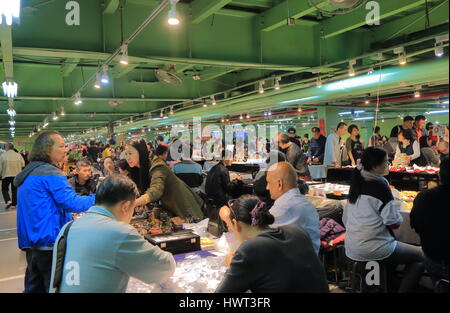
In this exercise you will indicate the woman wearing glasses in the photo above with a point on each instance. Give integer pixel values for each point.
(269, 259)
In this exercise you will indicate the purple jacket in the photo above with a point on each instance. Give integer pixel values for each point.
(329, 229)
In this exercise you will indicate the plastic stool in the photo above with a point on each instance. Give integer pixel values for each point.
(358, 275)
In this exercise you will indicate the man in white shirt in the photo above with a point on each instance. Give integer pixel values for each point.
(291, 207)
(333, 153)
(11, 164)
(103, 250)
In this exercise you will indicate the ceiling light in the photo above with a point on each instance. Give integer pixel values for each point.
(417, 92)
(78, 100)
(205, 105)
(10, 88)
(124, 57)
(12, 123)
(319, 82)
(222, 120)
(213, 100)
(261, 87)
(370, 71)
(10, 9)
(172, 15)
(105, 76)
(248, 115)
(401, 55)
(55, 117)
(351, 70)
(277, 83)
(241, 117)
(171, 110)
(161, 114)
(11, 112)
(97, 81)
(270, 113)
(62, 111)
(367, 101)
(12, 128)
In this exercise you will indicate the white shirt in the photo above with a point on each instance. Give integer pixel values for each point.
(332, 150)
(294, 208)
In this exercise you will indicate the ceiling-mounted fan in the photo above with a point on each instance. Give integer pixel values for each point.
(335, 7)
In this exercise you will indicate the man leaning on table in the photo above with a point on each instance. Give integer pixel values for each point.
(103, 250)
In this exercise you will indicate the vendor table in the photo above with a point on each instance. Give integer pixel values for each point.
(400, 180)
(196, 272)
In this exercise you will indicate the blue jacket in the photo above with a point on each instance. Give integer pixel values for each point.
(45, 202)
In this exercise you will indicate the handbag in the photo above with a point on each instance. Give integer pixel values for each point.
(61, 246)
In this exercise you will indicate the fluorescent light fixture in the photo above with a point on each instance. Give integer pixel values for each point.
(363, 118)
(12, 128)
(283, 120)
(10, 89)
(436, 112)
(300, 100)
(348, 113)
(445, 102)
(10, 9)
(12, 123)
(357, 82)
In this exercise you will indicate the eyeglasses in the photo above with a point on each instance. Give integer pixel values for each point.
(232, 213)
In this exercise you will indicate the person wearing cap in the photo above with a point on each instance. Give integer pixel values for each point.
(292, 133)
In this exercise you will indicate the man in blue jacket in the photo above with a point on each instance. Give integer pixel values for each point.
(44, 206)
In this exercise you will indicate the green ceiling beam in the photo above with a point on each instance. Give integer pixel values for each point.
(412, 23)
(202, 9)
(120, 71)
(277, 16)
(183, 67)
(340, 24)
(152, 3)
(96, 99)
(413, 74)
(253, 3)
(213, 73)
(99, 56)
(236, 13)
(111, 6)
(69, 67)
(7, 50)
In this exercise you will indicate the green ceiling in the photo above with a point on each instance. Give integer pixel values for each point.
(227, 43)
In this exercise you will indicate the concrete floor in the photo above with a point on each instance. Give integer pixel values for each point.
(12, 260)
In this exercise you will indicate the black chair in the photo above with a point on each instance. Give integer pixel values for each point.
(193, 180)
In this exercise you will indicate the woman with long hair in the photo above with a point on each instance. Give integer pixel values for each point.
(370, 217)
(270, 259)
(156, 181)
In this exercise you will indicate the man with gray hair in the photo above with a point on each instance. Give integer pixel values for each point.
(294, 154)
(11, 164)
(84, 183)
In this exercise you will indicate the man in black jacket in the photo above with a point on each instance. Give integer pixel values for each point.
(83, 182)
(218, 185)
(429, 218)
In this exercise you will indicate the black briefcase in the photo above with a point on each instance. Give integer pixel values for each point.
(176, 242)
